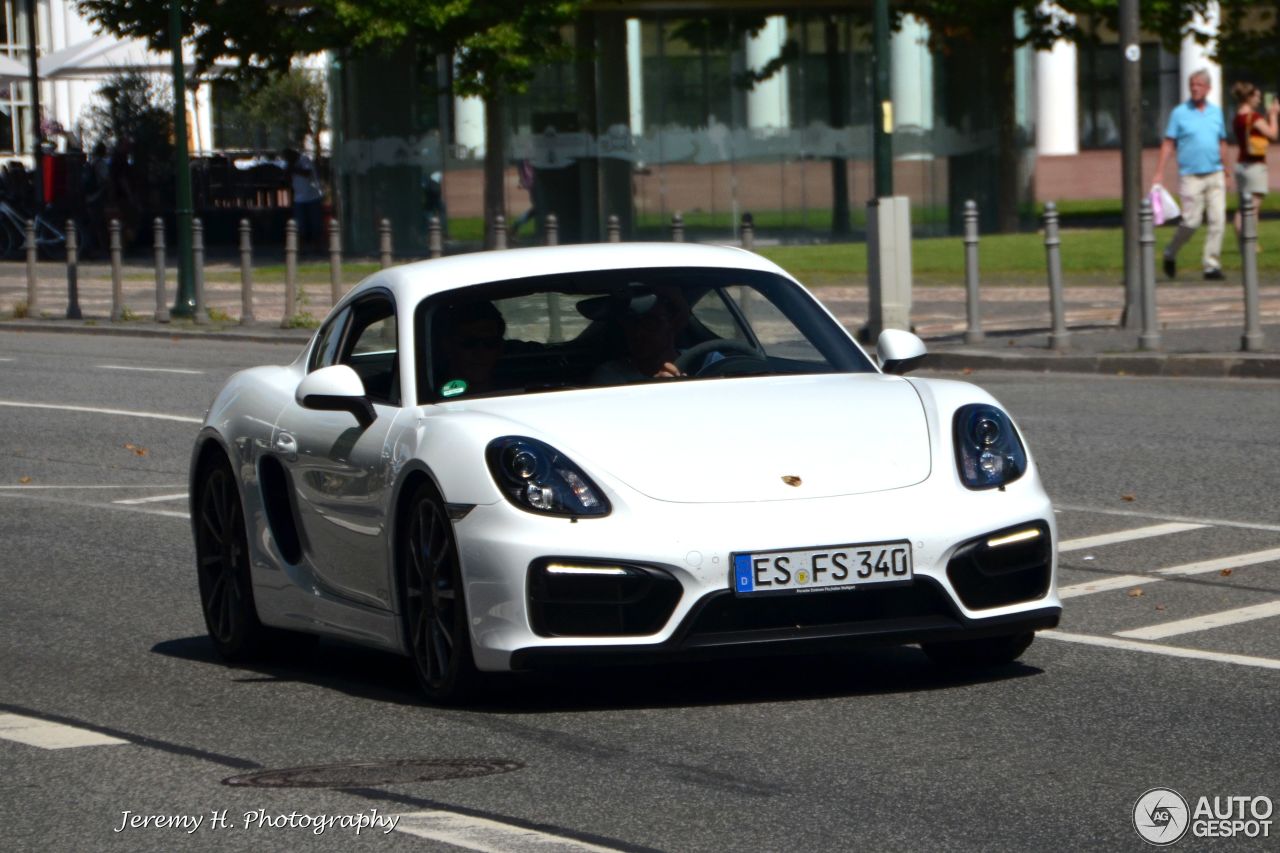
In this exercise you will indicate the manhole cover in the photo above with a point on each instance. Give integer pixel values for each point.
(365, 774)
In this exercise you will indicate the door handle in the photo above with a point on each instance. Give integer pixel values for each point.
(286, 445)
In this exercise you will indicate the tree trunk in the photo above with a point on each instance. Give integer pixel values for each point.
(838, 103)
(1008, 196)
(495, 164)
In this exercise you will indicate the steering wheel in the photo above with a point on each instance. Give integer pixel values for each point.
(695, 354)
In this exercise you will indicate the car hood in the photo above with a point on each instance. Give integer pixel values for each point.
(735, 440)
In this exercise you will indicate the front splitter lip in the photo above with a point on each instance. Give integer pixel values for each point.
(787, 641)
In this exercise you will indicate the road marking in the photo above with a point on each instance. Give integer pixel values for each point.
(150, 369)
(34, 487)
(47, 735)
(1127, 535)
(1204, 623)
(490, 836)
(7, 359)
(1238, 561)
(1212, 522)
(1155, 649)
(1104, 585)
(18, 493)
(150, 500)
(95, 411)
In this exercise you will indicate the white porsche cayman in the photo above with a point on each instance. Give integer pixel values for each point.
(612, 453)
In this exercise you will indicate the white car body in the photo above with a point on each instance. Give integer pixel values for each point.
(694, 473)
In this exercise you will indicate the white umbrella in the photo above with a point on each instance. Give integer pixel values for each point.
(12, 71)
(105, 55)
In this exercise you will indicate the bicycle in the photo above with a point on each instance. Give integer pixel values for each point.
(51, 241)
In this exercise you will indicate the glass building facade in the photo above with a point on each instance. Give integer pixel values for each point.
(710, 114)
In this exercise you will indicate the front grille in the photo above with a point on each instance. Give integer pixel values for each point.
(637, 602)
(984, 576)
(726, 613)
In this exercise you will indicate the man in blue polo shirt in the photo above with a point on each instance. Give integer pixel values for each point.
(1197, 131)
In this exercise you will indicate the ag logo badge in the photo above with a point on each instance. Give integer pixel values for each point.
(1161, 816)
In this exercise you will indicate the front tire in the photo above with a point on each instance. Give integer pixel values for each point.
(979, 654)
(434, 609)
(222, 565)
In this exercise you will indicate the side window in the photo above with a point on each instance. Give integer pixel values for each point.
(326, 351)
(371, 349)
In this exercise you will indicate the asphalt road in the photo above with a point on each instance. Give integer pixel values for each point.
(100, 632)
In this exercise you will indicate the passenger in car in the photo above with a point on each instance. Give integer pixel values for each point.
(471, 341)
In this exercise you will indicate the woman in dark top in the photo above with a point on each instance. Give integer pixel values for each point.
(1253, 130)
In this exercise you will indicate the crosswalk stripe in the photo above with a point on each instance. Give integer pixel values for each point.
(1104, 585)
(489, 836)
(1158, 649)
(47, 735)
(1126, 535)
(1236, 562)
(1204, 623)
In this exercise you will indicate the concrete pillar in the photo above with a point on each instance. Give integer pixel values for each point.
(469, 125)
(1195, 57)
(1057, 107)
(911, 75)
(635, 77)
(768, 105)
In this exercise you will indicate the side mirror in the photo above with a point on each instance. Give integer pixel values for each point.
(899, 351)
(336, 388)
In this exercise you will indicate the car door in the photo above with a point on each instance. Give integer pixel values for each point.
(340, 471)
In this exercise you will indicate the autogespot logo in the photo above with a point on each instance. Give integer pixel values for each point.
(1160, 816)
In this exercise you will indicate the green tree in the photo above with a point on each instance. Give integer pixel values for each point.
(296, 101)
(497, 45)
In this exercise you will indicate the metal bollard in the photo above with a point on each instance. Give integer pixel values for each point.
(162, 302)
(32, 279)
(1150, 337)
(290, 273)
(115, 246)
(200, 315)
(384, 243)
(613, 229)
(246, 272)
(748, 232)
(499, 232)
(73, 272)
(551, 228)
(335, 261)
(677, 227)
(1253, 335)
(1058, 336)
(973, 302)
(435, 237)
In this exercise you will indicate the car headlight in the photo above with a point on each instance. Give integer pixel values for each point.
(536, 477)
(988, 450)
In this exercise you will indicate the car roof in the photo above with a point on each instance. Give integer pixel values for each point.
(410, 283)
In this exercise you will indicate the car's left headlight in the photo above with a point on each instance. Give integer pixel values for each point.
(988, 450)
(538, 478)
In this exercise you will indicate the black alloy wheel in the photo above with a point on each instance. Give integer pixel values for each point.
(434, 609)
(982, 653)
(222, 563)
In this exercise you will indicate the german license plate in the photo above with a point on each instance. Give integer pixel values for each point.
(813, 569)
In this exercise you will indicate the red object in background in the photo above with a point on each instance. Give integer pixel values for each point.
(55, 177)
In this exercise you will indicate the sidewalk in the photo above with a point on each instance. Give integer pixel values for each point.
(1201, 326)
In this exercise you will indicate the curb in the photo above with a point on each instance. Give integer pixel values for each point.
(268, 335)
(1172, 365)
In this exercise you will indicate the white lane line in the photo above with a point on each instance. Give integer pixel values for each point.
(1204, 623)
(1155, 649)
(1129, 513)
(95, 411)
(150, 369)
(46, 735)
(1238, 561)
(1104, 585)
(151, 500)
(1127, 535)
(7, 359)
(489, 836)
(31, 487)
(89, 505)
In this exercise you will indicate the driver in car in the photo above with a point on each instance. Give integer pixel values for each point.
(651, 324)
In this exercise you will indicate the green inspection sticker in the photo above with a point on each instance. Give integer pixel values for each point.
(453, 388)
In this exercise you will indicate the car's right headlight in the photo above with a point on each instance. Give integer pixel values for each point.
(538, 478)
(988, 450)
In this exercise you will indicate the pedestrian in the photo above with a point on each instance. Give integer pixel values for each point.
(308, 197)
(98, 192)
(1197, 132)
(1253, 131)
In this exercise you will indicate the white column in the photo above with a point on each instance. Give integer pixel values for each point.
(635, 77)
(1195, 57)
(911, 75)
(1057, 110)
(201, 125)
(768, 105)
(469, 125)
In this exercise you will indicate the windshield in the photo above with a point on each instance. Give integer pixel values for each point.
(618, 327)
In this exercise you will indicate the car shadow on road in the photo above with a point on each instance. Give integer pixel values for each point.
(383, 677)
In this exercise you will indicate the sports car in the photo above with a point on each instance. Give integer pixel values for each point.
(594, 455)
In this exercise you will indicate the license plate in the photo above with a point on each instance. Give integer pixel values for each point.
(813, 569)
